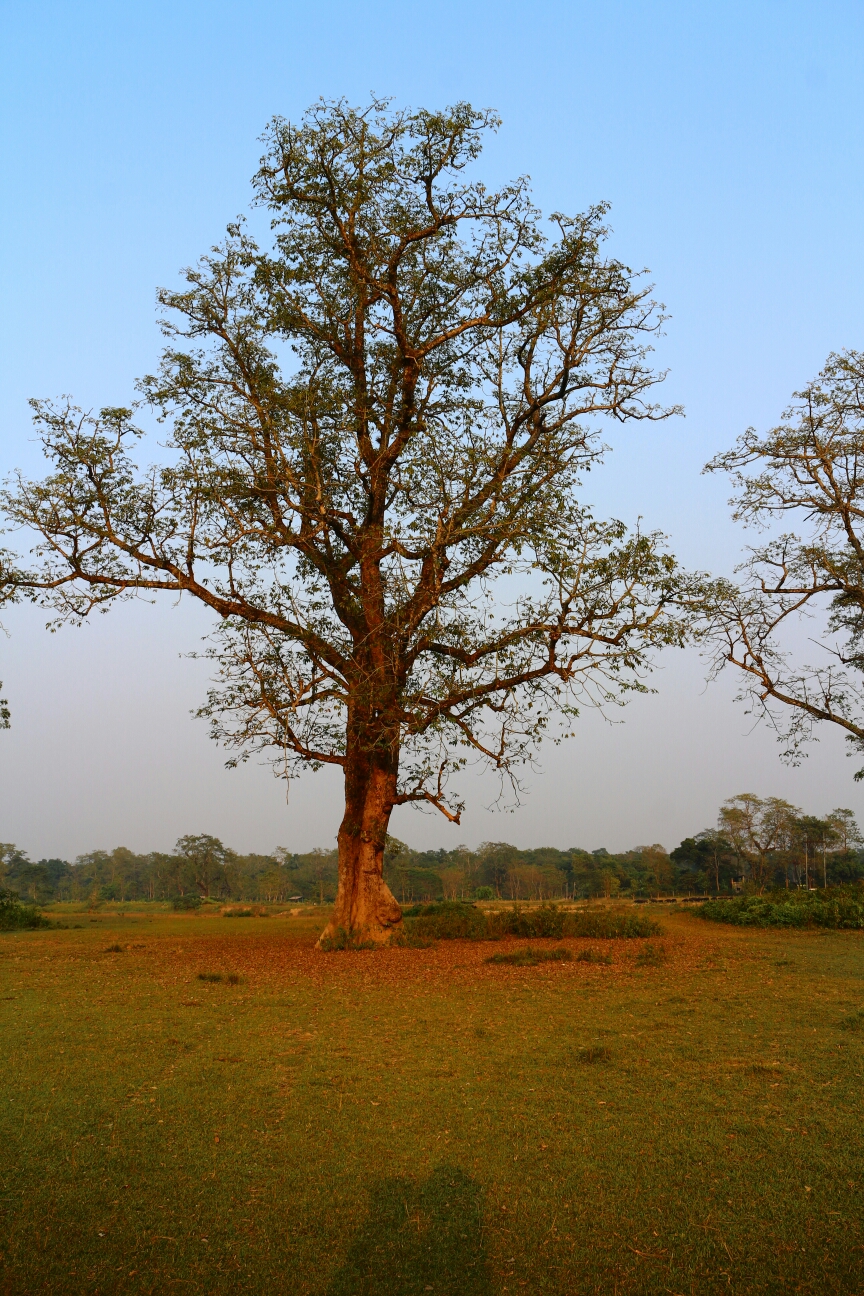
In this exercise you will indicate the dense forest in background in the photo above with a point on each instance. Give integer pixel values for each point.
(762, 845)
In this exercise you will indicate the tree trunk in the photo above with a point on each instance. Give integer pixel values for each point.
(366, 910)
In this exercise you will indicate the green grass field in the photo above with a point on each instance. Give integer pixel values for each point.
(685, 1118)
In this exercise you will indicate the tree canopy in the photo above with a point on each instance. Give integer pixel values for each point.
(808, 470)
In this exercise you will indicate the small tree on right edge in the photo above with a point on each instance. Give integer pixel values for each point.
(806, 474)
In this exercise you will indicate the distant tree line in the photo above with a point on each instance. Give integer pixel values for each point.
(200, 866)
(758, 843)
(764, 842)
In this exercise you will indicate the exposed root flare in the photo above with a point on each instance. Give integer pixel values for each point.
(365, 915)
(375, 936)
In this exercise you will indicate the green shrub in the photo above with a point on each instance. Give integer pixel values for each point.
(460, 920)
(529, 957)
(114, 949)
(446, 920)
(484, 893)
(837, 907)
(548, 920)
(15, 916)
(611, 924)
(238, 913)
(230, 977)
(545, 921)
(185, 902)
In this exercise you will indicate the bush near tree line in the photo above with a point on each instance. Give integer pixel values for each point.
(455, 920)
(836, 907)
(15, 916)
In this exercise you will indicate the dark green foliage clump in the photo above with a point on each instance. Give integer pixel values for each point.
(447, 920)
(548, 920)
(114, 949)
(612, 925)
(529, 957)
(184, 903)
(617, 926)
(230, 977)
(840, 906)
(459, 920)
(238, 913)
(15, 916)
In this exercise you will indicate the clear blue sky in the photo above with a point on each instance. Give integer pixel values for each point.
(728, 138)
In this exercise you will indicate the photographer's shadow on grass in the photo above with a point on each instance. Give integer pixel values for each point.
(418, 1236)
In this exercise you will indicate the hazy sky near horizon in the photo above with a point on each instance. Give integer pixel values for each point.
(728, 139)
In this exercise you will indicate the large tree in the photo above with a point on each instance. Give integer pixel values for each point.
(806, 473)
(388, 406)
(757, 829)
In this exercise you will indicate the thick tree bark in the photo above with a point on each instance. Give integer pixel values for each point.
(366, 909)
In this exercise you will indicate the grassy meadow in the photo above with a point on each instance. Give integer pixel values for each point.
(197, 1103)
